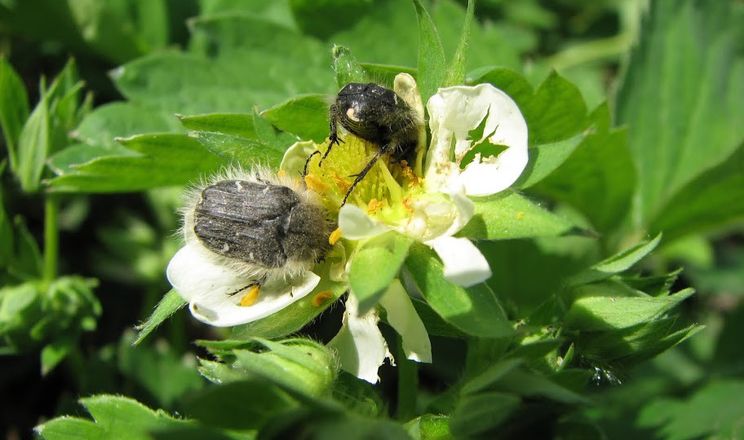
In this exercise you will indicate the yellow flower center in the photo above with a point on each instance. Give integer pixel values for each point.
(382, 191)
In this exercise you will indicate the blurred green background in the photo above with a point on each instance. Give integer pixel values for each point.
(675, 80)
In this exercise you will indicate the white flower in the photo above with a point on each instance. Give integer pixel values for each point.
(360, 345)
(215, 291)
(444, 207)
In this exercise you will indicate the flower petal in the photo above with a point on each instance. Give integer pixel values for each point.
(455, 112)
(360, 346)
(293, 162)
(214, 291)
(464, 264)
(403, 318)
(355, 224)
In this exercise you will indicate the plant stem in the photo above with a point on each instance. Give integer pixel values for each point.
(407, 385)
(51, 237)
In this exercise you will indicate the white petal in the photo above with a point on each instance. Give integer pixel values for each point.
(464, 264)
(214, 291)
(360, 346)
(355, 224)
(193, 274)
(293, 162)
(456, 111)
(465, 207)
(403, 318)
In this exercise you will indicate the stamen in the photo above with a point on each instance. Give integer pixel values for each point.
(334, 237)
(251, 296)
(315, 184)
(374, 205)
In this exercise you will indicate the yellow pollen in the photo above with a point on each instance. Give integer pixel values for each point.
(341, 183)
(335, 236)
(520, 215)
(281, 173)
(251, 296)
(408, 173)
(315, 184)
(374, 205)
(321, 297)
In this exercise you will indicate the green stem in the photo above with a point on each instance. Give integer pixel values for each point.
(407, 385)
(51, 237)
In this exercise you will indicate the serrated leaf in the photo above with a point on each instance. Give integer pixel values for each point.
(690, 121)
(167, 306)
(115, 417)
(602, 312)
(235, 124)
(239, 150)
(617, 263)
(304, 116)
(509, 215)
(431, 64)
(164, 159)
(526, 383)
(13, 108)
(474, 310)
(374, 266)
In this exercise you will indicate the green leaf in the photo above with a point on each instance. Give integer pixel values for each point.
(479, 413)
(301, 365)
(554, 112)
(13, 108)
(710, 201)
(456, 71)
(235, 124)
(164, 372)
(323, 19)
(682, 97)
(239, 150)
(70, 428)
(115, 417)
(531, 384)
(429, 427)
(34, 143)
(509, 215)
(110, 121)
(598, 179)
(546, 158)
(474, 310)
(712, 411)
(489, 377)
(54, 353)
(304, 116)
(347, 68)
(603, 312)
(617, 263)
(374, 266)
(27, 263)
(634, 344)
(164, 159)
(167, 306)
(431, 65)
(209, 406)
